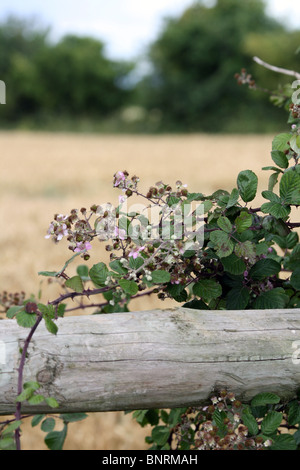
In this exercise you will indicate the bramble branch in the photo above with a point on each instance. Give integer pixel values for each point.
(292, 73)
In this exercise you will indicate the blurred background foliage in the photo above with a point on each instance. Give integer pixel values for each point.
(189, 85)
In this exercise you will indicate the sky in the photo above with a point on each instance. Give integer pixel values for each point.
(126, 27)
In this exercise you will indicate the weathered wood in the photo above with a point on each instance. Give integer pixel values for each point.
(151, 359)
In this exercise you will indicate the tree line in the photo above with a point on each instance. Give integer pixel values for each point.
(190, 86)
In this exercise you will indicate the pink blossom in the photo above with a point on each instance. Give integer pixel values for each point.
(81, 246)
(120, 233)
(50, 231)
(135, 251)
(122, 199)
(119, 176)
(61, 231)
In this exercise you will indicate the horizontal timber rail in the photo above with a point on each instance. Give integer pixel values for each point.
(153, 359)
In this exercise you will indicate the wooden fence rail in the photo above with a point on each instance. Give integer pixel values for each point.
(153, 359)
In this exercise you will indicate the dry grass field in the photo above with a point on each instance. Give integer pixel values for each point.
(42, 174)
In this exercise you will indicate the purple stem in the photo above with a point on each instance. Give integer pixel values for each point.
(20, 377)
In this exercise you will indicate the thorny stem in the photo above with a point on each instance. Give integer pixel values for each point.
(20, 377)
(72, 295)
(103, 304)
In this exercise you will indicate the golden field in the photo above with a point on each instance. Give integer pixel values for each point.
(43, 174)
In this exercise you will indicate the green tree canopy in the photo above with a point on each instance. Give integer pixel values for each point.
(195, 58)
(78, 78)
(72, 77)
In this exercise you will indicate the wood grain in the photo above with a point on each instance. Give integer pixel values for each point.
(157, 358)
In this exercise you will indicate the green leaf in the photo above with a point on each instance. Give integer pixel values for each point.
(288, 241)
(295, 197)
(36, 420)
(271, 299)
(207, 289)
(295, 279)
(173, 201)
(262, 399)
(280, 142)
(271, 422)
(160, 277)
(195, 197)
(273, 179)
(117, 266)
(175, 416)
(264, 268)
(289, 184)
(273, 168)
(11, 427)
(12, 311)
(296, 436)
(136, 263)
(129, 287)
(48, 273)
(47, 310)
(262, 248)
(160, 435)
(32, 384)
(7, 443)
(233, 264)
(51, 402)
(206, 205)
(23, 396)
(178, 292)
(55, 439)
(50, 325)
(60, 310)
(295, 143)
(276, 209)
(247, 184)
(284, 442)
(144, 417)
(276, 226)
(233, 198)
(294, 258)
(250, 422)
(36, 399)
(279, 158)
(246, 250)
(75, 283)
(56, 273)
(237, 298)
(293, 413)
(83, 272)
(218, 417)
(222, 243)
(271, 196)
(48, 425)
(243, 221)
(196, 304)
(49, 313)
(73, 417)
(124, 224)
(224, 224)
(26, 320)
(98, 274)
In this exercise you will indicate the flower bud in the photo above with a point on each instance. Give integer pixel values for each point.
(31, 307)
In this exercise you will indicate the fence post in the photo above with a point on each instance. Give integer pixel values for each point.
(154, 359)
